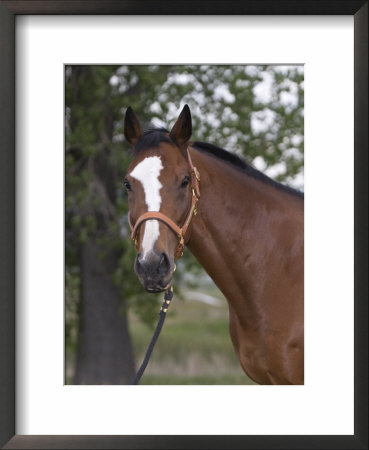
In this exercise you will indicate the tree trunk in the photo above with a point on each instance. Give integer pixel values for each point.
(104, 354)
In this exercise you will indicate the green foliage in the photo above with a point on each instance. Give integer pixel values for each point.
(255, 111)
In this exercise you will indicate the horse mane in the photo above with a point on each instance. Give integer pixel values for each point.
(238, 163)
(154, 136)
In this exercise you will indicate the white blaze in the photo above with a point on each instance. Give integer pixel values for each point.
(147, 173)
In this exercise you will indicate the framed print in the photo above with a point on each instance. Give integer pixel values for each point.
(38, 409)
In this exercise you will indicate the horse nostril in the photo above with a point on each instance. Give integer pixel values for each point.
(164, 264)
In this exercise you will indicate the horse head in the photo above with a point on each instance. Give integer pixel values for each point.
(163, 190)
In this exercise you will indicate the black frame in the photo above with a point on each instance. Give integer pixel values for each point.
(8, 11)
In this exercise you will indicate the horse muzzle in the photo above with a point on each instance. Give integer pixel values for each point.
(154, 271)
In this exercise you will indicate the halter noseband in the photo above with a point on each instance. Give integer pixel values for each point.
(179, 231)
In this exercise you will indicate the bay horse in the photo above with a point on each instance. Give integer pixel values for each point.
(245, 229)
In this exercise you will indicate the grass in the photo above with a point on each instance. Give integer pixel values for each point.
(194, 346)
(206, 380)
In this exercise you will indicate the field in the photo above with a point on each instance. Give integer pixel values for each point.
(194, 346)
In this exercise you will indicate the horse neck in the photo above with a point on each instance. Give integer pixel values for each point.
(236, 230)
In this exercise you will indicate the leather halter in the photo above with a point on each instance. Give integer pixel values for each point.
(156, 215)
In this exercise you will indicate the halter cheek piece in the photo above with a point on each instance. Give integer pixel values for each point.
(179, 231)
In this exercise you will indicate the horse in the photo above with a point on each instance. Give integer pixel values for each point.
(245, 229)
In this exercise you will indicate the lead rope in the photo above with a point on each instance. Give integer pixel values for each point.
(162, 314)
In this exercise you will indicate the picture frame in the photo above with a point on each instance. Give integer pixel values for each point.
(8, 283)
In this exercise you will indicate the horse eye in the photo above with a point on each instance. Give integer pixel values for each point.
(185, 181)
(127, 185)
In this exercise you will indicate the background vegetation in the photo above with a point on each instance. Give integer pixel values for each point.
(254, 111)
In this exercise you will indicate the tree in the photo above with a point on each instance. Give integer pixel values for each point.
(255, 111)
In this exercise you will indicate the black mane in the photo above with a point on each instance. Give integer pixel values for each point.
(154, 136)
(243, 166)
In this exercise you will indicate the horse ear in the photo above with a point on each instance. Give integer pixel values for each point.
(132, 127)
(182, 129)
